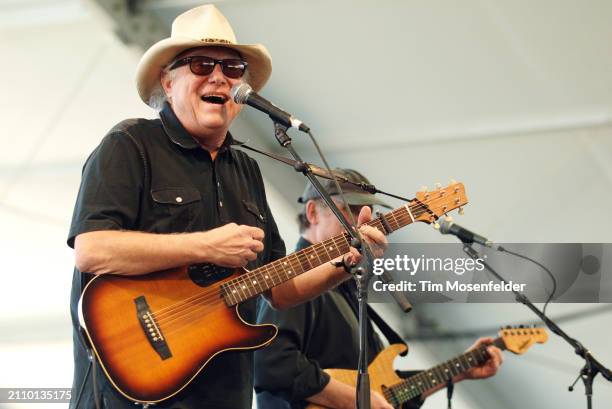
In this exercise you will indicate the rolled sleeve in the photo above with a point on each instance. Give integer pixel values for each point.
(110, 191)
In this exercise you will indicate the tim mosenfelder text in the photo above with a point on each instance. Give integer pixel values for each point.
(459, 266)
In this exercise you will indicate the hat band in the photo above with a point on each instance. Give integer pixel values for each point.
(216, 40)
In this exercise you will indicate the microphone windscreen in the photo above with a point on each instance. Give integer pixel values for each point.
(445, 225)
(240, 92)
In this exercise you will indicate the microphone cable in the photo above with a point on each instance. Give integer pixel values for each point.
(543, 267)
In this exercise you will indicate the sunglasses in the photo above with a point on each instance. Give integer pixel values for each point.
(202, 65)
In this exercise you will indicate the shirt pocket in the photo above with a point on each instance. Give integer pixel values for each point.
(255, 213)
(178, 208)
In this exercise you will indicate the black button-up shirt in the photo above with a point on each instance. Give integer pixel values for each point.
(152, 176)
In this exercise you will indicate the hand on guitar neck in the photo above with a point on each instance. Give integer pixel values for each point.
(485, 370)
(490, 367)
(339, 395)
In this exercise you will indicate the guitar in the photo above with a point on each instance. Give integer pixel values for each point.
(398, 391)
(152, 334)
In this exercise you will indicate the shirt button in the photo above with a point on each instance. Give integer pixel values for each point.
(179, 199)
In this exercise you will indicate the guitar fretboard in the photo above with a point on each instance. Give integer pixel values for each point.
(263, 278)
(438, 375)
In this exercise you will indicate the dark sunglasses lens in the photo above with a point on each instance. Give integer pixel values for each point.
(233, 68)
(202, 65)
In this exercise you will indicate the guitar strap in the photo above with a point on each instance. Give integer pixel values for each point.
(392, 336)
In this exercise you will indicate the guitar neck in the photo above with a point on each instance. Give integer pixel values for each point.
(263, 278)
(438, 375)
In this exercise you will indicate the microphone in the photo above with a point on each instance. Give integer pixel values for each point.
(243, 94)
(466, 236)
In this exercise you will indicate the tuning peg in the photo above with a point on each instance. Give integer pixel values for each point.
(436, 225)
(438, 185)
(461, 211)
(423, 189)
(448, 218)
(453, 181)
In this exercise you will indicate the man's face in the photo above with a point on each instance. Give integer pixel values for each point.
(190, 95)
(326, 224)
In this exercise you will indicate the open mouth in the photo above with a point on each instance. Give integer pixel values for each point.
(215, 99)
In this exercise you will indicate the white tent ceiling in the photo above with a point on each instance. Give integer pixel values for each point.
(512, 97)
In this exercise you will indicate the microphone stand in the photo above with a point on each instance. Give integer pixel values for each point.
(400, 297)
(591, 368)
(362, 273)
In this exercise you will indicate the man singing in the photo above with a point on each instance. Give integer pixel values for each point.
(173, 191)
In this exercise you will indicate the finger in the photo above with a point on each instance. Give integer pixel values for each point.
(373, 235)
(365, 215)
(494, 358)
(256, 246)
(250, 255)
(353, 256)
(482, 341)
(254, 232)
(496, 353)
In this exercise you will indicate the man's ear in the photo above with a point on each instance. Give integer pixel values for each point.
(165, 79)
(311, 212)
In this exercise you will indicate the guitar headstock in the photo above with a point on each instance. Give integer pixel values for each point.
(520, 339)
(439, 201)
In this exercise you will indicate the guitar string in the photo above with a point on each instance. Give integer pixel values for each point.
(168, 320)
(172, 314)
(168, 317)
(242, 279)
(337, 242)
(416, 208)
(162, 317)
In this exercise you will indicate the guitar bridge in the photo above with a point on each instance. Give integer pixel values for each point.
(151, 328)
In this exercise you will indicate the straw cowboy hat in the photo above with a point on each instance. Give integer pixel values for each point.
(202, 26)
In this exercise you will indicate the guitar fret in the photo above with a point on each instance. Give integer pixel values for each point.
(423, 382)
(303, 260)
(457, 364)
(432, 378)
(439, 374)
(470, 359)
(267, 277)
(448, 371)
(256, 281)
(311, 256)
(396, 225)
(464, 362)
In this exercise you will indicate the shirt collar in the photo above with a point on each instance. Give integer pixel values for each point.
(302, 244)
(179, 135)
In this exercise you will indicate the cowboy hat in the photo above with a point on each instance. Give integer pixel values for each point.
(202, 26)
